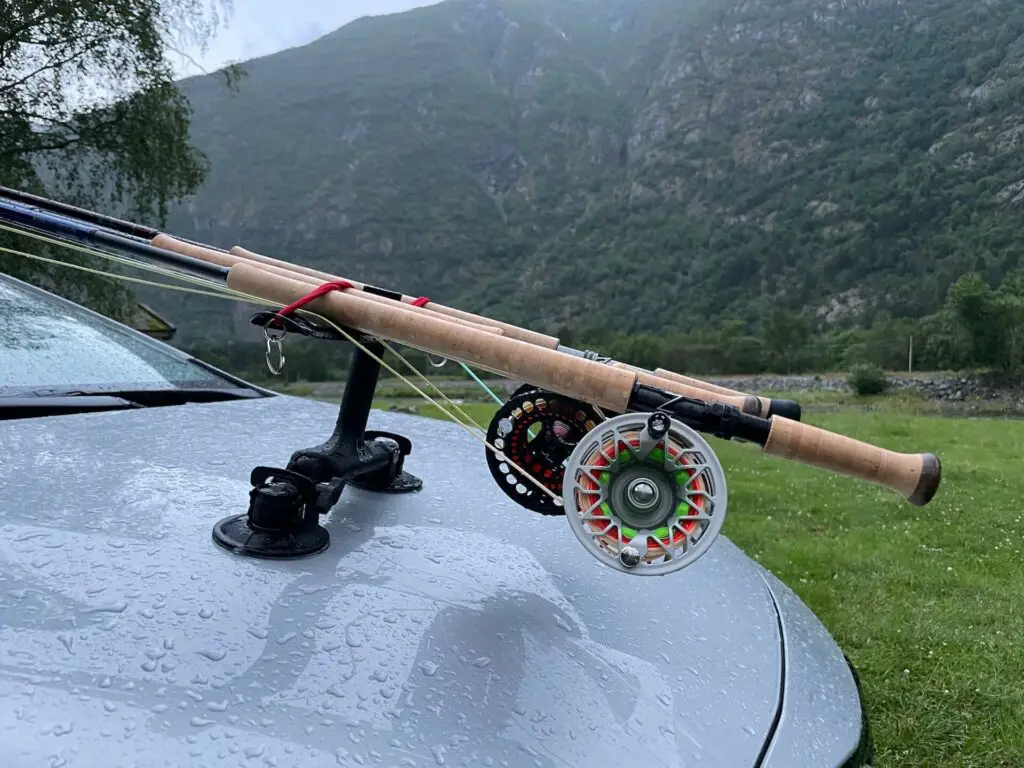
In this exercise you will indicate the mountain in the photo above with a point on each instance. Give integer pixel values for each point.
(640, 165)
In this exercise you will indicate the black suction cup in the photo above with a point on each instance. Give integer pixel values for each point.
(282, 521)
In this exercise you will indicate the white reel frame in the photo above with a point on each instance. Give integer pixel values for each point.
(645, 494)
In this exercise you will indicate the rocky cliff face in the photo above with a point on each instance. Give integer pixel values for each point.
(641, 162)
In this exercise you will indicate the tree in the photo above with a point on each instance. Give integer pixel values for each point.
(785, 336)
(974, 304)
(90, 113)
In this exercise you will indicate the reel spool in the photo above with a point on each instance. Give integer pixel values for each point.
(537, 431)
(644, 494)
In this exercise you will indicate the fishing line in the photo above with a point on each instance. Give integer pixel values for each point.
(104, 273)
(411, 367)
(223, 292)
(145, 266)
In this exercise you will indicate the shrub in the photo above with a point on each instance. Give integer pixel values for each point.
(867, 379)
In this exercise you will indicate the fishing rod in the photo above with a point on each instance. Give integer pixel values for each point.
(621, 457)
(665, 379)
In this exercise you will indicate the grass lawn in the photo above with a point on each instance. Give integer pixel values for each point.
(928, 603)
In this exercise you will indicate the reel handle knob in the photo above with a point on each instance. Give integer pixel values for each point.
(915, 476)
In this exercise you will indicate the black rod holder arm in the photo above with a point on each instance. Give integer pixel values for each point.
(286, 504)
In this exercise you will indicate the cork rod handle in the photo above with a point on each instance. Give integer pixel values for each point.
(576, 377)
(915, 476)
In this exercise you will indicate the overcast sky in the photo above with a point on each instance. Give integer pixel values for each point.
(261, 27)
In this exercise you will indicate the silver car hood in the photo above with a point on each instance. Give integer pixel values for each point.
(447, 627)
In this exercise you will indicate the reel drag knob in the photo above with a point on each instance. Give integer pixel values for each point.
(644, 494)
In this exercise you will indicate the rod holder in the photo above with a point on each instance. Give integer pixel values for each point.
(285, 505)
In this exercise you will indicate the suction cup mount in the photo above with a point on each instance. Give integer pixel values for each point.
(285, 504)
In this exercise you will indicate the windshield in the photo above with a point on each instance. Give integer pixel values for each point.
(47, 343)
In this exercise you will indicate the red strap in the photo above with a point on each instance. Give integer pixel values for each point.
(316, 293)
(422, 301)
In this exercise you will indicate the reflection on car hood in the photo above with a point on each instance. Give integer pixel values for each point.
(445, 627)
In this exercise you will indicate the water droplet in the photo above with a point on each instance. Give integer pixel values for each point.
(285, 638)
(258, 632)
(483, 661)
(119, 607)
(205, 613)
(439, 755)
(212, 655)
(199, 722)
(428, 668)
(28, 535)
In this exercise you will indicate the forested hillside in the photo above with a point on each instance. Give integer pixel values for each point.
(638, 165)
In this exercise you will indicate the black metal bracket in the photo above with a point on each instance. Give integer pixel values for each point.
(285, 504)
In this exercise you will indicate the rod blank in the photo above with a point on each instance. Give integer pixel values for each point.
(69, 229)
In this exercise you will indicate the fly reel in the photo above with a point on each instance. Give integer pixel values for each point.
(536, 430)
(644, 494)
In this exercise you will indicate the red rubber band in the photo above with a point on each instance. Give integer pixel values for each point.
(422, 301)
(316, 293)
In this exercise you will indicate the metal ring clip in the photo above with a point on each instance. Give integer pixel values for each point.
(274, 348)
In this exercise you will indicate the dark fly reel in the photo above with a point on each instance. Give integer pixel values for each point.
(537, 431)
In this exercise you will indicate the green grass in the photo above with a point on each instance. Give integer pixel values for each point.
(927, 602)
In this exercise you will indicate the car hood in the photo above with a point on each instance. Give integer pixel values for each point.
(448, 627)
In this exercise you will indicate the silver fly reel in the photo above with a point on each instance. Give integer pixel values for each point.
(645, 494)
